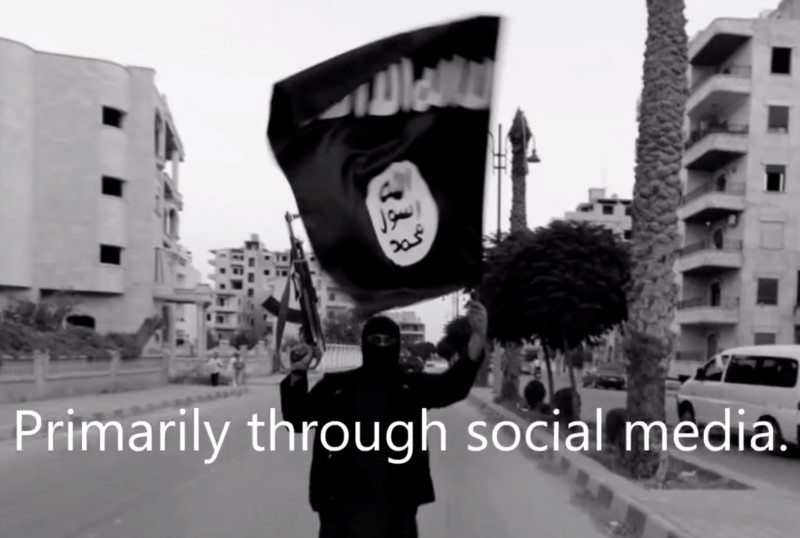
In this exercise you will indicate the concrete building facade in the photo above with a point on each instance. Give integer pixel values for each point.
(740, 262)
(89, 198)
(412, 329)
(245, 277)
(611, 212)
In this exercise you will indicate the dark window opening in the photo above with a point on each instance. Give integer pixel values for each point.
(608, 210)
(797, 300)
(81, 321)
(251, 277)
(767, 292)
(775, 178)
(113, 117)
(222, 270)
(110, 255)
(266, 272)
(627, 235)
(250, 292)
(778, 120)
(781, 61)
(236, 284)
(628, 210)
(764, 339)
(251, 262)
(112, 186)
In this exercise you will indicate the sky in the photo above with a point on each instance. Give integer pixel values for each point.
(574, 67)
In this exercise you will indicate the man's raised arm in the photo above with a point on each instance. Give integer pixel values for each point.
(298, 404)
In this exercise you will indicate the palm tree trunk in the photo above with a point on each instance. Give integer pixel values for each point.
(519, 135)
(657, 193)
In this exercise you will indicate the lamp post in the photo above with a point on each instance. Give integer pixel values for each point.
(499, 164)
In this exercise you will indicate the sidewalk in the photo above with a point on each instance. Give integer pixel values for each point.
(119, 405)
(764, 510)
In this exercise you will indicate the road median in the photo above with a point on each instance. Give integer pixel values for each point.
(117, 406)
(757, 509)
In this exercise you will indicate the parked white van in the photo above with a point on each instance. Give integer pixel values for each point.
(760, 380)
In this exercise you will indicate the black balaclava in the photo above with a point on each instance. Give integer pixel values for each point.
(380, 346)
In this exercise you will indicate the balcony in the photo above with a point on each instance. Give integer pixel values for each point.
(719, 41)
(715, 146)
(710, 257)
(700, 311)
(723, 90)
(712, 201)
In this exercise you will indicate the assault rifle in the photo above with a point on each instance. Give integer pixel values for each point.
(307, 316)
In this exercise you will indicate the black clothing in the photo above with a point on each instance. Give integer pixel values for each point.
(340, 478)
(214, 380)
(361, 523)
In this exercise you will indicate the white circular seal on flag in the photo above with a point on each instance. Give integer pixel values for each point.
(403, 212)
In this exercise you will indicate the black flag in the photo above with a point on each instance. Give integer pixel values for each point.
(385, 150)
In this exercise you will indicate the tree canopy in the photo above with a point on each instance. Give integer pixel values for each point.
(563, 284)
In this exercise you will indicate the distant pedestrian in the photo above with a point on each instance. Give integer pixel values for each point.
(238, 365)
(214, 368)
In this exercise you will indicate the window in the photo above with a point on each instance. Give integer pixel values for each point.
(113, 117)
(627, 235)
(774, 177)
(608, 209)
(220, 319)
(628, 210)
(767, 292)
(772, 235)
(208, 316)
(220, 302)
(236, 284)
(251, 277)
(781, 61)
(112, 186)
(797, 299)
(778, 119)
(250, 292)
(222, 270)
(266, 272)
(712, 371)
(765, 339)
(331, 296)
(778, 372)
(284, 273)
(110, 255)
(222, 286)
(251, 262)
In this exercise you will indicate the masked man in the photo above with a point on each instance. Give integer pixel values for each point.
(357, 491)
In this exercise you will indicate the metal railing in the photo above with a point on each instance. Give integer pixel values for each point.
(736, 189)
(719, 128)
(727, 245)
(722, 303)
(735, 71)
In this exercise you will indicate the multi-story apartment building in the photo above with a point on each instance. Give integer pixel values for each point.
(740, 262)
(412, 329)
(245, 277)
(89, 198)
(611, 212)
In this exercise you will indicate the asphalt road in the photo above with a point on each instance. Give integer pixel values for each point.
(63, 494)
(780, 470)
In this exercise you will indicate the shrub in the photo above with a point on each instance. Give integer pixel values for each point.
(534, 394)
(564, 402)
(615, 422)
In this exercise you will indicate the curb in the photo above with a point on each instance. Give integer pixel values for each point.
(137, 410)
(643, 521)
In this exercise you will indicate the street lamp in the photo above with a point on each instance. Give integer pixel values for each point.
(499, 160)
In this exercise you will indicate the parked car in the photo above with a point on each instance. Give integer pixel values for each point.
(607, 375)
(761, 381)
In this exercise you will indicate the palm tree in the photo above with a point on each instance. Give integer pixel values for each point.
(657, 193)
(518, 135)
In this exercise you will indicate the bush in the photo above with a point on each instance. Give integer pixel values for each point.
(563, 401)
(534, 394)
(615, 422)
